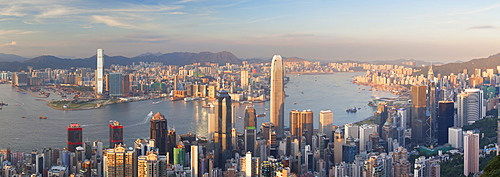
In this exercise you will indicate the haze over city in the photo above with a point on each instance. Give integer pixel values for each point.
(324, 30)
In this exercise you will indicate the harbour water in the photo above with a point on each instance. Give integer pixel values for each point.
(315, 92)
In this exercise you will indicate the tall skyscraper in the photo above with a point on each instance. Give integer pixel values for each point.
(222, 134)
(277, 97)
(444, 120)
(470, 107)
(250, 139)
(244, 78)
(326, 122)
(250, 117)
(158, 132)
(125, 84)
(419, 121)
(100, 72)
(295, 124)
(115, 84)
(194, 161)
(471, 155)
(119, 162)
(115, 133)
(307, 119)
(74, 136)
(337, 145)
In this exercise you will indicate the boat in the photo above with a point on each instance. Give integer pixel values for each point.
(294, 103)
(22, 116)
(3, 104)
(261, 115)
(155, 102)
(351, 110)
(150, 114)
(209, 105)
(66, 106)
(191, 98)
(41, 117)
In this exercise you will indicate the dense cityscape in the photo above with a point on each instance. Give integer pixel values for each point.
(424, 125)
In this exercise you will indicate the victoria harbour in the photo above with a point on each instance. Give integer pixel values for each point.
(315, 92)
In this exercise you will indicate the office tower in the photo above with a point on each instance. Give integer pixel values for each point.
(250, 139)
(401, 163)
(74, 136)
(119, 162)
(171, 144)
(277, 97)
(470, 107)
(125, 84)
(455, 137)
(381, 116)
(115, 133)
(419, 121)
(100, 72)
(351, 130)
(349, 150)
(364, 134)
(115, 84)
(266, 128)
(246, 165)
(471, 152)
(250, 117)
(179, 155)
(158, 132)
(326, 122)
(295, 124)
(222, 134)
(432, 106)
(244, 78)
(444, 120)
(194, 161)
(403, 118)
(337, 145)
(307, 125)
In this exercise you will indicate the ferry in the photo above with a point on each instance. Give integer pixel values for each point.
(261, 115)
(41, 117)
(191, 98)
(351, 110)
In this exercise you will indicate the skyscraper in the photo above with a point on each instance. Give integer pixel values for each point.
(444, 120)
(470, 107)
(277, 97)
(295, 124)
(307, 125)
(74, 136)
(119, 162)
(158, 132)
(455, 137)
(326, 122)
(222, 134)
(115, 133)
(419, 122)
(100, 72)
(471, 155)
(338, 141)
(115, 84)
(250, 117)
(194, 161)
(244, 78)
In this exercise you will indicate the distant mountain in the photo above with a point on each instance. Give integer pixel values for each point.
(178, 58)
(293, 59)
(482, 63)
(149, 53)
(418, 63)
(11, 58)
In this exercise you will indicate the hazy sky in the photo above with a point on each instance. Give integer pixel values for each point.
(314, 29)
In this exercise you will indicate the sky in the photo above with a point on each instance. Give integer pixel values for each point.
(327, 30)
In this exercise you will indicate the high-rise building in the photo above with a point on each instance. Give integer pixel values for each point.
(250, 117)
(307, 119)
(295, 124)
(222, 134)
(100, 72)
(351, 130)
(194, 161)
(337, 144)
(419, 120)
(250, 139)
(277, 97)
(74, 136)
(470, 107)
(119, 162)
(125, 84)
(148, 165)
(158, 132)
(244, 78)
(471, 152)
(455, 137)
(115, 84)
(171, 144)
(444, 120)
(364, 135)
(326, 122)
(179, 155)
(115, 133)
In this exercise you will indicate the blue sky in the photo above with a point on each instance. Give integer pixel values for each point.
(313, 29)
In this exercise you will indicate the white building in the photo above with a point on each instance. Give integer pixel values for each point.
(326, 122)
(455, 137)
(471, 152)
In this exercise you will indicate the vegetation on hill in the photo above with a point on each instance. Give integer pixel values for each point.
(482, 63)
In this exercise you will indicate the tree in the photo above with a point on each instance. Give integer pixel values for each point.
(492, 169)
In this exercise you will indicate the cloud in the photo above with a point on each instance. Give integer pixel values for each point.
(482, 27)
(288, 35)
(12, 43)
(14, 32)
(185, 1)
(111, 21)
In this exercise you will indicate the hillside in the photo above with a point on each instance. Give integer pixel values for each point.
(482, 63)
(177, 58)
(11, 58)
